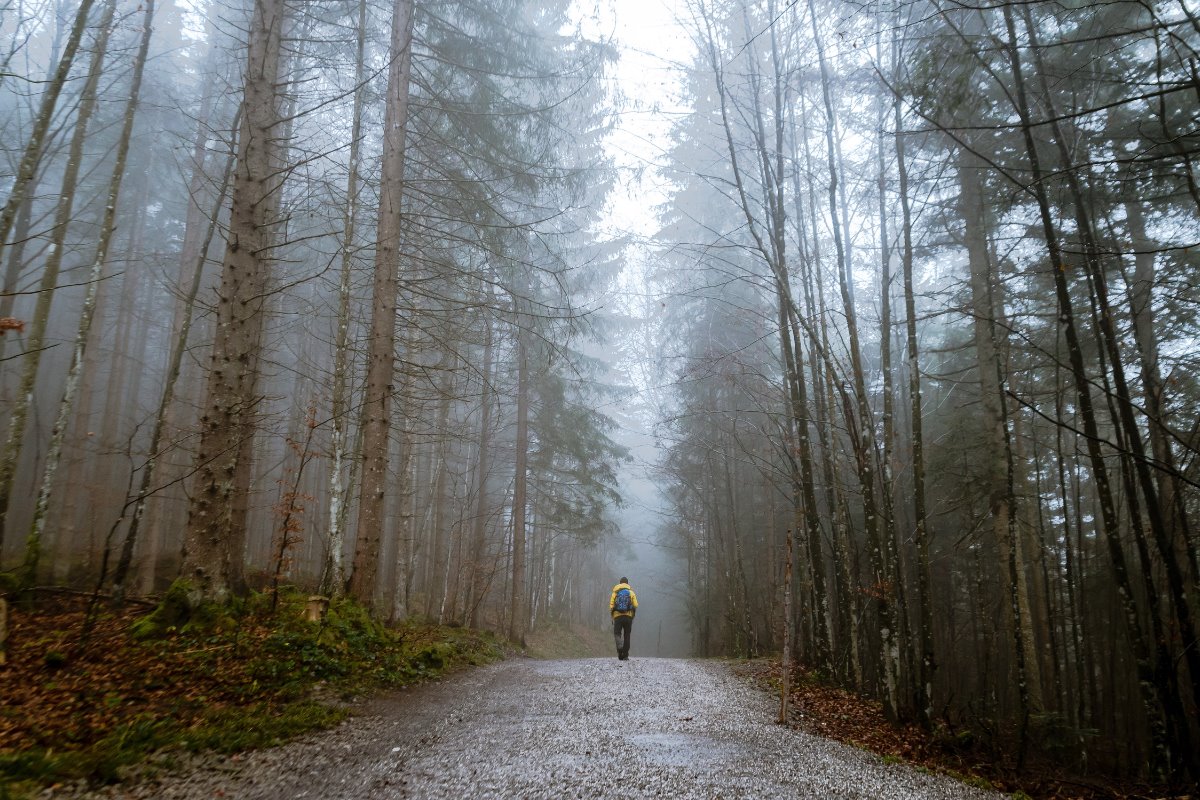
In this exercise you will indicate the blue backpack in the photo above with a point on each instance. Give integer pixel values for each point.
(624, 600)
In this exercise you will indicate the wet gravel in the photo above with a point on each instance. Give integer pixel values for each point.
(559, 729)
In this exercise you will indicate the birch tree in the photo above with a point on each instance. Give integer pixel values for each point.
(338, 491)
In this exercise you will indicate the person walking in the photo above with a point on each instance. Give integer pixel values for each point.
(622, 605)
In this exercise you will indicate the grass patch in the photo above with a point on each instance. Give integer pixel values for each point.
(554, 640)
(237, 728)
(224, 679)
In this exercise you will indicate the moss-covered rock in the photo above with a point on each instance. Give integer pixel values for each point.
(178, 613)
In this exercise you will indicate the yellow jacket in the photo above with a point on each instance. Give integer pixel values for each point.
(612, 601)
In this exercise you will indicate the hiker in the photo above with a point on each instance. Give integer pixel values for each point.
(623, 606)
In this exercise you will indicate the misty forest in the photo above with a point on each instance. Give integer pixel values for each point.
(874, 323)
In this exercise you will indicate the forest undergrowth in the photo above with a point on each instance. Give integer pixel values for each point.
(257, 675)
(834, 713)
(76, 709)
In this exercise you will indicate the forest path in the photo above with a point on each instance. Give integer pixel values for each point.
(562, 729)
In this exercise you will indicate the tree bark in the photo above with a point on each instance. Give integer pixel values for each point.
(847, 632)
(167, 399)
(335, 568)
(803, 477)
(1167, 537)
(12, 270)
(438, 557)
(785, 689)
(381, 353)
(906, 691)
(165, 508)
(404, 528)
(1142, 313)
(227, 416)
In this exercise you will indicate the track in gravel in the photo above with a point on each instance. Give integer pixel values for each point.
(562, 729)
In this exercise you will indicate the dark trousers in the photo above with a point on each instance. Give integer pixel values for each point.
(622, 630)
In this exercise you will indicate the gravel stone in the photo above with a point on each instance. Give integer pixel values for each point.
(642, 728)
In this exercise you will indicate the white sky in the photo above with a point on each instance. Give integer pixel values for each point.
(646, 85)
(652, 45)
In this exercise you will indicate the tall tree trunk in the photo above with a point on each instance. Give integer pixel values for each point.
(1049, 600)
(335, 571)
(438, 558)
(1001, 500)
(859, 418)
(770, 237)
(1141, 311)
(785, 689)
(891, 536)
(171, 379)
(227, 416)
(773, 173)
(1166, 537)
(35, 343)
(381, 352)
(12, 270)
(33, 545)
(404, 528)
(170, 465)
(741, 618)
(517, 599)
(835, 502)
(109, 478)
(1151, 693)
(1071, 557)
(475, 560)
(928, 662)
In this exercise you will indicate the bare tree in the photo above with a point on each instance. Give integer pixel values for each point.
(381, 352)
(33, 546)
(37, 137)
(35, 344)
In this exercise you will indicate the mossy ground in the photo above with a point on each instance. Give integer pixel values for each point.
(225, 679)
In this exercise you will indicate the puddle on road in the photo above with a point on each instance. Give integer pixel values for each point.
(683, 749)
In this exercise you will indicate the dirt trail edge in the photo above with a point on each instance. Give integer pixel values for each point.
(561, 729)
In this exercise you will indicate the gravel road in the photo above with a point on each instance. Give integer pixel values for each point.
(560, 729)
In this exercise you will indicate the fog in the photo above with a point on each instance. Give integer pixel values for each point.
(464, 310)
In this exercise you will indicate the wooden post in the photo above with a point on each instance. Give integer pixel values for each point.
(315, 608)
